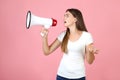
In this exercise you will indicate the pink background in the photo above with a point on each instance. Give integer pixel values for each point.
(21, 56)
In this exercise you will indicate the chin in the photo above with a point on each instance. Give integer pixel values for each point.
(65, 26)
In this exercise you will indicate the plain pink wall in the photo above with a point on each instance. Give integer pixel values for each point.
(21, 56)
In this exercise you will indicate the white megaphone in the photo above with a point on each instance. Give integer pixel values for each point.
(32, 20)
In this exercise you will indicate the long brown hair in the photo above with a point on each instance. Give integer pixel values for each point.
(79, 25)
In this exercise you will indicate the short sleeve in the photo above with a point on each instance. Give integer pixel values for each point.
(61, 36)
(89, 39)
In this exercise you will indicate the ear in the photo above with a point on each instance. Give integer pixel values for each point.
(75, 19)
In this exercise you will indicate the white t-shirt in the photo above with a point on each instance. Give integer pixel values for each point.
(72, 63)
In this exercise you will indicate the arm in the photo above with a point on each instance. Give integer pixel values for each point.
(47, 49)
(90, 50)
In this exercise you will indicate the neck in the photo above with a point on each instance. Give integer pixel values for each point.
(74, 30)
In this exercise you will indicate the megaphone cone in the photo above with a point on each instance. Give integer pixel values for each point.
(32, 20)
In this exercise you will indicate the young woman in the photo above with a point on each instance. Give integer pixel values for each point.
(76, 44)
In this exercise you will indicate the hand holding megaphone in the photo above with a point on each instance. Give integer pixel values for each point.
(32, 20)
(44, 32)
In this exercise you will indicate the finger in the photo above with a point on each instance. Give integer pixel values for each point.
(44, 33)
(96, 51)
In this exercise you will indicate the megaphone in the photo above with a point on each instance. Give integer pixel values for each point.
(32, 20)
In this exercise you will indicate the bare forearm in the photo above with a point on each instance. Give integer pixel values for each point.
(47, 49)
(45, 46)
(90, 53)
(90, 57)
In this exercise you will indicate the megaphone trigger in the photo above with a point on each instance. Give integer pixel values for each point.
(46, 26)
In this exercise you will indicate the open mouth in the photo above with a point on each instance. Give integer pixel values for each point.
(65, 22)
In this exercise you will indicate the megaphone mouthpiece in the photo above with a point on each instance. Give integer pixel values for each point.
(54, 22)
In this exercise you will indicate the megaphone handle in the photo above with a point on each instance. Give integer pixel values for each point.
(41, 34)
(46, 27)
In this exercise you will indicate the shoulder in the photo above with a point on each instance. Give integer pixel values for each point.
(88, 38)
(63, 32)
(86, 33)
(61, 35)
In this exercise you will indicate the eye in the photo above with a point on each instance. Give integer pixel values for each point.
(66, 15)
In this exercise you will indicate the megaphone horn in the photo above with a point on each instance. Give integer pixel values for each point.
(32, 20)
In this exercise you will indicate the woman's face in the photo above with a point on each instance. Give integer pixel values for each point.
(69, 19)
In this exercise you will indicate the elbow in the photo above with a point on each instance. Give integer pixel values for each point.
(90, 61)
(46, 53)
